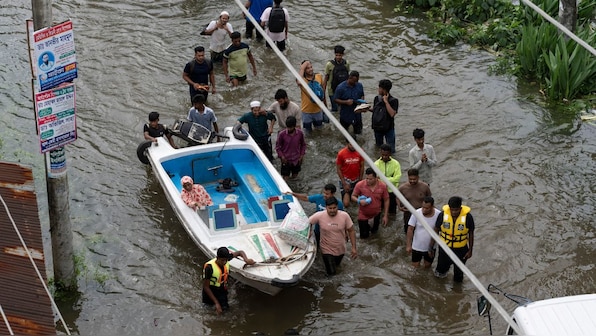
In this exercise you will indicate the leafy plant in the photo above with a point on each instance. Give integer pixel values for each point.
(446, 33)
(568, 71)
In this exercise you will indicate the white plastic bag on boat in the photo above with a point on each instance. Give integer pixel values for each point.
(295, 227)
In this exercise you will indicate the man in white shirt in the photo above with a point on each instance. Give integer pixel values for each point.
(418, 238)
(276, 20)
(220, 31)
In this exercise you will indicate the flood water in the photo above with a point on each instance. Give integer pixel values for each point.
(526, 170)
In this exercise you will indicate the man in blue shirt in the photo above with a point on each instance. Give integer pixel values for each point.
(319, 200)
(256, 9)
(346, 96)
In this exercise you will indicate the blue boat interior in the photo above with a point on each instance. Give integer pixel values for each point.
(257, 196)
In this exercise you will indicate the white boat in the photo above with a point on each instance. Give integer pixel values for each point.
(568, 315)
(246, 216)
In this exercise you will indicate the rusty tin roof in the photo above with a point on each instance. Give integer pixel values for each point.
(23, 299)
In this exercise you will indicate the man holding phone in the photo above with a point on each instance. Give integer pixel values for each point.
(384, 110)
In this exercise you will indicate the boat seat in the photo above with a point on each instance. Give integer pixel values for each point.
(223, 216)
(279, 206)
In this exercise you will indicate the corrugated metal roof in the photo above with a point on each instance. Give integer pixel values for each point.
(22, 296)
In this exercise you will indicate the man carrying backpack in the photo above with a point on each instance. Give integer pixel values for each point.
(336, 71)
(276, 19)
(198, 73)
(384, 110)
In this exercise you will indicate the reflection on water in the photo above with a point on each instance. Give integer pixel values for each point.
(525, 169)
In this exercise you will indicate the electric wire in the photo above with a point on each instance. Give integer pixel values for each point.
(380, 174)
(6, 321)
(560, 26)
(34, 266)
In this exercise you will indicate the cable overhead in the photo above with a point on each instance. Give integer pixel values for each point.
(14, 225)
(380, 174)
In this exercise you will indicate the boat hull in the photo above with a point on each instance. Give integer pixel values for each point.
(246, 216)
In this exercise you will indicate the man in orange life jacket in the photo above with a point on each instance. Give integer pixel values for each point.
(455, 226)
(215, 278)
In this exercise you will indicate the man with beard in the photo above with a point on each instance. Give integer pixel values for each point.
(284, 108)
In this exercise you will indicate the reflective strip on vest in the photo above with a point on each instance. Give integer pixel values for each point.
(217, 278)
(454, 236)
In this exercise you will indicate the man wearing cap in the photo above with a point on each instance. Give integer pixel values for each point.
(220, 31)
(346, 96)
(455, 226)
(259, 127)
(215, 278)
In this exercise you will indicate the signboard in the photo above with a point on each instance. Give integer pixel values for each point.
(54, 57)
(55, 111)
(56, 162)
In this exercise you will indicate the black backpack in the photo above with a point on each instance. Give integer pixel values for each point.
(381, 121)
(340, 74)
(277, 20)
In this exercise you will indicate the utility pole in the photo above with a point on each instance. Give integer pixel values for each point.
(57, 186)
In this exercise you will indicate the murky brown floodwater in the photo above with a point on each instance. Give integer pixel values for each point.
(526, 170)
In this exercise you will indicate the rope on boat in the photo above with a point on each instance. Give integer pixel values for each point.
(45, 287)
(380, 174)
(290, 258)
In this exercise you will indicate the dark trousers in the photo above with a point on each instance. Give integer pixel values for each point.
(266, 147)
(331, 263)
(281, 45)
(249, 28)
(407, 216)
(365, 229)
(444, 263)
(392, 203)
(220, 294)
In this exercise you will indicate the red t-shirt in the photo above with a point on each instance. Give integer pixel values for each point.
(377, 194)
(350, 163)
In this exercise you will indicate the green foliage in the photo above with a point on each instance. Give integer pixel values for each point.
(586, 11)
(531, 17)
(496, 34)
(476, 10)
(530, 49)
(528, 46)
(572, 70)
(446, 33)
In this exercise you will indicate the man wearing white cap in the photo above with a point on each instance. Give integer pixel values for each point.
(220, 31)
(259, 128)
